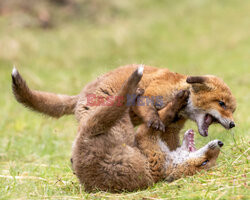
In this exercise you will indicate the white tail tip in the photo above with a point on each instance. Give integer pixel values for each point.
(140, 69)
(14, 71)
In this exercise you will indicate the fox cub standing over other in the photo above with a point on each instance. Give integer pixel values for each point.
(210, 99)
(104, 158)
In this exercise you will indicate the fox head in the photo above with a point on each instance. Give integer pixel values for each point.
(210, 101)
(186, 160)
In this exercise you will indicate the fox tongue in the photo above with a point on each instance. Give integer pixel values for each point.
(208, 120)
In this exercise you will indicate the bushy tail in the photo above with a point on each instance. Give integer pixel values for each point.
(55, 105)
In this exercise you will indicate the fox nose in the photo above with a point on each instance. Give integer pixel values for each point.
(220, 143)
(232, 124)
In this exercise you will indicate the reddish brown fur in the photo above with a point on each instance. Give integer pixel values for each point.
(104, 155)
(155, 82)
(55, 105)
(104, 158)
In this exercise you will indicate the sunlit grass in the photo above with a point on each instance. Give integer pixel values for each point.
(191, 37)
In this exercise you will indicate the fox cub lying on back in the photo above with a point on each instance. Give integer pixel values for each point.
(210, 100)
(106, 157)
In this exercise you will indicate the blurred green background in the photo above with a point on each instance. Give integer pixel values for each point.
(60, 45)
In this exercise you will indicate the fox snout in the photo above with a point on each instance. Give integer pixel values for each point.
(227, 123)
(231, 124)
(215, 144)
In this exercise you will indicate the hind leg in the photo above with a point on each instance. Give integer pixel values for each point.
(104, 117)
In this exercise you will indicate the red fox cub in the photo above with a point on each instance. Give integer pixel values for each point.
(210, 100)
(109, 156)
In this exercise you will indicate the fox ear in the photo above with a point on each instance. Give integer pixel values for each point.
(198, 83)
(196, 79)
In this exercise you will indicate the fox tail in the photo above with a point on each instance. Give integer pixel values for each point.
(54, 105)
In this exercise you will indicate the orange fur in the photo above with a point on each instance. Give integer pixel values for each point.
(206, 92)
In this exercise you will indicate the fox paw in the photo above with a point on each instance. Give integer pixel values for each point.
(134, 79)
(182, 98)
(169, 179)
(139, 92)
(156, 124)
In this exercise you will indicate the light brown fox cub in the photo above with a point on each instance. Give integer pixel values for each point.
(210, 99)
(106, 156)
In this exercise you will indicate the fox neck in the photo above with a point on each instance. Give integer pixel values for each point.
(173, 159)
(189, 111)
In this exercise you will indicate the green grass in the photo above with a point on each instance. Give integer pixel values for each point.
(191, 37)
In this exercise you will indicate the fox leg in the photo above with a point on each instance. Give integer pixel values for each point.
(171, 136)
(149, 115)
(172, 123)
(104, 117)
(147, 137)
(169, 113)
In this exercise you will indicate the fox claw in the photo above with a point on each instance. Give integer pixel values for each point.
(139, 91)
(156, 125)
(182, 98)
(183, 94)
(170, 179)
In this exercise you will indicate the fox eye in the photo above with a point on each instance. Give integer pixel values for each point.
(204, 163)
(222, 104)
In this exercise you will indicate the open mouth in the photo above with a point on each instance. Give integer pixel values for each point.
(207, 121)
(189, 141)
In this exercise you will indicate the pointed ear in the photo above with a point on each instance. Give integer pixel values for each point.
(196, 79)
(198, 83)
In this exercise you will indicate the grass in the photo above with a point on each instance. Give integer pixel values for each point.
(191, 37)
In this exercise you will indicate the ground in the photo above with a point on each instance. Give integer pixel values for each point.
(191, 37)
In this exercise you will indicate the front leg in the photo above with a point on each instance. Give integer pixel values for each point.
(173, 124)
(148, 139)
(171, 136)
(147, 112)
(169, 113)
(149, 115)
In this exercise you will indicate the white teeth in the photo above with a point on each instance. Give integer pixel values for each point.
(189, 140)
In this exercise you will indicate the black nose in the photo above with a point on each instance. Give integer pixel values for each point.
(220, 143)
(232, 124)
